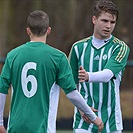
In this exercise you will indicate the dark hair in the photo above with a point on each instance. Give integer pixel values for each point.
(38, 22)
(105, 6)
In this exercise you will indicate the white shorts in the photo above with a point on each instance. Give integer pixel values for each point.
(86, 131)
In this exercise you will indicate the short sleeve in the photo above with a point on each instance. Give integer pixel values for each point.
(118, 59)
(64, 75)
(5, 78)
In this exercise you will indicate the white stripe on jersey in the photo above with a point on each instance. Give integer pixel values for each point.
(109, 96)
(100, 86)
(83, 53)
(109, 52)
(9, 110)
(53, 106)
(91, 69)
(118, 114)
(109, 107)
(76, 50)
(90, 84)
(86, 90)
(75, 112)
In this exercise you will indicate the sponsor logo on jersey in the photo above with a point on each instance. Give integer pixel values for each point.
(97, 57)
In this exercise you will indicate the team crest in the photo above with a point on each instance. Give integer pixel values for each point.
(104, 57)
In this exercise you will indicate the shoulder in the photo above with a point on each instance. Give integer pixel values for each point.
(119, 43)
(56, 51)
(56, 54)
(82, 41)
(14, 51)
(121, 49)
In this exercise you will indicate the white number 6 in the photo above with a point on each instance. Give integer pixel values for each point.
(30, 78)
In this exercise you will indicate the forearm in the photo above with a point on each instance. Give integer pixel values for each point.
(101, 76)
(79, 102)
(2, 104)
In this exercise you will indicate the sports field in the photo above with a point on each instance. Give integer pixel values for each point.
(70, 131)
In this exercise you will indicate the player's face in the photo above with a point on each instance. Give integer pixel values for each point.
(104, 25)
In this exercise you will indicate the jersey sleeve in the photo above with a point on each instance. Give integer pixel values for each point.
(64, 75)
(5, 78)
(74, 64)
(118, 59)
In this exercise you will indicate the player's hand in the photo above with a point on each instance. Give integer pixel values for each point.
(100, 127)
(86, 119)
(2, 129)
(99, 123)
(82, 75)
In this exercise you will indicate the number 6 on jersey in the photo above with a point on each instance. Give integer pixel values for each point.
(30, 78)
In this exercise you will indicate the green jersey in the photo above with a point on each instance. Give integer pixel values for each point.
(35, 71)
(102, 96)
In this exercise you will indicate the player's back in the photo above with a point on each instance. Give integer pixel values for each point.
(34, 67)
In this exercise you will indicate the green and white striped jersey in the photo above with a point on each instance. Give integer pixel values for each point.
(34, 70)
(102, 96)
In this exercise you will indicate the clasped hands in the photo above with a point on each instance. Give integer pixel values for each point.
(97, 122)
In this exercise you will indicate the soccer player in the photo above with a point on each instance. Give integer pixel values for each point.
(35, 71)
(98, 63)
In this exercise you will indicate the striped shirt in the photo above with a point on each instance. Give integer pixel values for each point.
(102, 96)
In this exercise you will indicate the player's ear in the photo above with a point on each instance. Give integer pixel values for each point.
(48, 30)
(28, 31)
(93, 19)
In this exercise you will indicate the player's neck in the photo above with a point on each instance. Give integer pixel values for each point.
(38, 39)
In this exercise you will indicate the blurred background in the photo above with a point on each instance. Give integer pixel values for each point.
(70, 21)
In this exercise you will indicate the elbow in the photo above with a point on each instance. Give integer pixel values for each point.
(106, 80)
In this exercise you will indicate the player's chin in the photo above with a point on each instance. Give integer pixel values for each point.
(106, 35)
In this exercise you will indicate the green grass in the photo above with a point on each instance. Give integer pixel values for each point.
(62, 131)
(70, 131)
